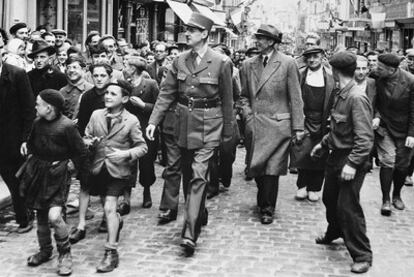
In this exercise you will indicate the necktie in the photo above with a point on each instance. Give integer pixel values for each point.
(108, 123)
(265, 59)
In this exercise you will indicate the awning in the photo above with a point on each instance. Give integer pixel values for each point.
(209, 13)
(182, 10)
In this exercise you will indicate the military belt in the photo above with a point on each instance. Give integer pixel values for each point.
(199, 103)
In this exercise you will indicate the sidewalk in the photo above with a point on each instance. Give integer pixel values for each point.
(5, 198)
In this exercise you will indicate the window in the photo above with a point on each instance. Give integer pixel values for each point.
(47, 13)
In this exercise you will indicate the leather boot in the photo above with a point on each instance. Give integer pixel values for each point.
(109, 262)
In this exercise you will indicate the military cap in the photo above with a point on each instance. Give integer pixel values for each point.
(389, 59)
(17, 27)
(270, 31)
(59, 32)
(313, 50)
(40, 45)
(199, 21)
(53, 97)
(343, 60)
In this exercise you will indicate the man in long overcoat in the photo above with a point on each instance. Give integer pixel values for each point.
(272, 106)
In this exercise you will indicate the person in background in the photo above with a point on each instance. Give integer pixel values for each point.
(16, 54)
(49, 38)
(160, 50)
(372, 57)
(61, 58)
(61, 36)
(100, 54)
(20, 30)
(150, 57)
(92, 40)
(123, 46)
(115, 60)
(311, 40)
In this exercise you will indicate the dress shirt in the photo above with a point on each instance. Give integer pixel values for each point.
(315, 78)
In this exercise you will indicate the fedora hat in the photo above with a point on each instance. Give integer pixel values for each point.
(270, 31)
(41, 45)
(199, 21)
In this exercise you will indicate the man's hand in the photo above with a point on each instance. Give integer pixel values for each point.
(299, 135)
(118, 155)
(23, 149)
(348, 173)
(150, 131)
(409, 142)
(91, 142)
(375, 123)
(316, 150)
(136, 101)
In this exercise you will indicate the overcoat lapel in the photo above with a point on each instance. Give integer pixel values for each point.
(269, 70)
(205, 61)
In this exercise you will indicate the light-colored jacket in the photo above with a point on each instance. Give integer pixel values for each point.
(125, 134)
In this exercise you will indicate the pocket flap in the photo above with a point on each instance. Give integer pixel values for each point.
(181, 76)
(339, 117)
(210, 81)
(281, 116)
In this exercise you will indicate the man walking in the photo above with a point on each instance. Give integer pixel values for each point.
(201, 81)
(350, 141)
(272, 107)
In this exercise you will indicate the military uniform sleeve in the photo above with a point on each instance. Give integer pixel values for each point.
(244, 101)
(226, 91)
(362, 129)
(139, 146)
(295, 97)
(167, 95)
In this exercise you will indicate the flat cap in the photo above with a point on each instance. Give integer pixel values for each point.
(59, 32)
(200, 21)
(343, 60)
(389, 59)
(16, 27)
(313, 50)
(53, 97)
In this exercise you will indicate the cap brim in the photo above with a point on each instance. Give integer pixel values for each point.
(194, 25)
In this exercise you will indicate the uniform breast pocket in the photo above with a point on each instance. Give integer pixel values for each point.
(339, 123)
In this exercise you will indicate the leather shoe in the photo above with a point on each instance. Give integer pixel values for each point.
(77, 235)
(25, 227)
(39, 258)
(167, 216)
(386, 208)
(188, 246)
(204, 220)
(147, 203)
(124, 208)
(109, 262)
(325, 239)
(398, 203)
(103, 228)
(360, 267)
(65, 264)
(266, 219)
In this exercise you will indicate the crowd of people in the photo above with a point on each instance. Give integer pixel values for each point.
(104, 116)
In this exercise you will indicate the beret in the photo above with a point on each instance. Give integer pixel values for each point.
(59, 32)
(389, 59)
(53, 97)
(313, 50)
(343, 60)
(122, 84)
(16, 27)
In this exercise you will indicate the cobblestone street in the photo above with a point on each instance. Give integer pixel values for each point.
(234, 243)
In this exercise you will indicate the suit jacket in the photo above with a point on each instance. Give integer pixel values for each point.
(394, 104)
(152, 70)
(211, 79)
(16, 112)
(272, 106)
(125, 134)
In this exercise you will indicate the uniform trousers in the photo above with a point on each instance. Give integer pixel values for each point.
(268, 187)
(343, 210)
(196, 163)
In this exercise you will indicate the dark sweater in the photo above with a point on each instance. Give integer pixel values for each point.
(91, 100)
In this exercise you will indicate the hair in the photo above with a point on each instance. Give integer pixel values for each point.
(45, 34)
(315, 36)
(98, 49)
(107, 67)
(149, 53)
(90, 36)
(73, 50)
(361, 58)
(160, 43)
(126, 87)
(4, 35)
(77, 58)
(41, 27)
(371, 53)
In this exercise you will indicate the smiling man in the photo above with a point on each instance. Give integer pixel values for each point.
(200, 80)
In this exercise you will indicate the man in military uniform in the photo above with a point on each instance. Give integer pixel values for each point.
(200, 80)
(350, 140)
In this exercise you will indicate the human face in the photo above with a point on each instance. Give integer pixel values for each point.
(129, 70)
(372, 62)
(100, 77)
(62, 56)
(21, 51)
(41, 60)
(95, 40)
(195, 36)
(100, 58)
(314, 60)
(310, 42)
(263, 44)
(42, 108)
(113, 97)
(150, 59)
(60, 39)
(74, 72)
(384, 71)
(160, 53)
(361, 71)
(22, 34)
(51, 40)
(174, 52)
(110, 45)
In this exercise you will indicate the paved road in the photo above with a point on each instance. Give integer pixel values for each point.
(234, 243)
